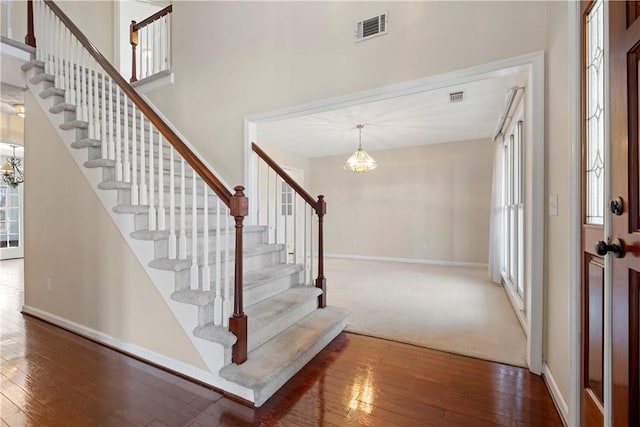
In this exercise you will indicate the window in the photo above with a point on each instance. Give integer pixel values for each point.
(513, 209)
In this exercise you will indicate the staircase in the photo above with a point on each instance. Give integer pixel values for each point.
(182, 231)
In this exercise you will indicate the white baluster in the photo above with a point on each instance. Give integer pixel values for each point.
(183, 221)
(105, 144)
(135, 190)
(306, 233)
(154, 47)
(168, 43)
(39, 20)
(161, 211)
(194, 233)
(152, 200)
(52, 35)
(83, 85)
(126, 165)
(118, 136)
(143, 178)
(112, 141)
(69, 94)
(45, 42)
(57, 79)
(172, 206)
(96, 103)
(276, 209)
(92, 128)
(295, 228)
(227, 303)
(163, 43)
(78, 82)
(269, 205)
(217, 302)
(206, 270)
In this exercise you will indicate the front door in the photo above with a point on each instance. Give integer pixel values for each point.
(612, 258)
(593, 214)
(625, 213)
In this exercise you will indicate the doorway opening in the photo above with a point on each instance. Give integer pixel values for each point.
(525, 267)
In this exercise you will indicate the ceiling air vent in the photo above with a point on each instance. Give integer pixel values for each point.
(372, 27)
(456, 96)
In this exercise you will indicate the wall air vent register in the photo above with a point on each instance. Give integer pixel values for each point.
(371, 27)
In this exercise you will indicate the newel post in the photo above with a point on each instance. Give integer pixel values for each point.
(321, 281)
(30, 38)
(133, 39)
(238, 322)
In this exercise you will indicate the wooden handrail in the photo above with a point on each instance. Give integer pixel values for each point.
(203, 171)
(319, 206)
(159, 14)
(285, 176)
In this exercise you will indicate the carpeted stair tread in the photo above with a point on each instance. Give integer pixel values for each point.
(251, 278)
(34, 63)
(52, 91)
(114, 185)
(100, 163)
(131, 209)
(272, 364)
(219, 334)
(183, 264)
(42, 77)
(86, 142)
(61, 107)
(265, 312)
(164, 234)
(259, 277)
(74, 124)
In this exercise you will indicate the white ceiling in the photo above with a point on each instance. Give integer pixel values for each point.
(417, 119)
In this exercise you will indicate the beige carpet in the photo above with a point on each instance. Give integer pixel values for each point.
(454, 309)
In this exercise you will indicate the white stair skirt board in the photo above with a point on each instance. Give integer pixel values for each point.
(556, 395)
(283, 313)
(448, 308)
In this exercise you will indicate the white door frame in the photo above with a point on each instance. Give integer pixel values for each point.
(534, 64)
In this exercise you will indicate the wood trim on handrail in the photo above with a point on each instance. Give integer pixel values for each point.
(193, 160)
(159, 14)
(285, 176)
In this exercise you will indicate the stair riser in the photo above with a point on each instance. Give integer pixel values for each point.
(258, 336)
(161, 246)
(271, 288)
(250, 263)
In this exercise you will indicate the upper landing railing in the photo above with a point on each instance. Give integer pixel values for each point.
(153, 36)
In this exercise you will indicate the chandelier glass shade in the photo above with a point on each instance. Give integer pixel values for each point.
(360, 161)
(11, 172)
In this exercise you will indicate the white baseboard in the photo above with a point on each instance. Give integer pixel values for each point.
(408, 260)
(130, 349)
(558, 398)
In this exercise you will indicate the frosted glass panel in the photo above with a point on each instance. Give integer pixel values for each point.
(595, 115)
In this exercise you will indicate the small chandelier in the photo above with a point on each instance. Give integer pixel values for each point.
(360, 161)
(11, 171)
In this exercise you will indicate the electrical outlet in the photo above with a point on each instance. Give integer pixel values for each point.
(48, 284)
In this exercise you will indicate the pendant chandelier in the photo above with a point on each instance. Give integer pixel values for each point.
(360, 161)
(11, 172)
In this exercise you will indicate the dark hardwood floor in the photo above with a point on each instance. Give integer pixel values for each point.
(50, 377)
